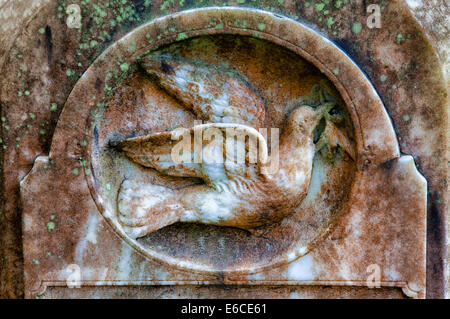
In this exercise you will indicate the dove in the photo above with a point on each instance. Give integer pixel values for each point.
(227, 153)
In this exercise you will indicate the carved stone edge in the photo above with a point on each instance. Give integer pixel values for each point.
(404, 286)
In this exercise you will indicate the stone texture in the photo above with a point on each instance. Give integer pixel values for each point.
(229, 292)
(374, 217)
(45, 55)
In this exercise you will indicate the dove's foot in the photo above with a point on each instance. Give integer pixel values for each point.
(144, 208)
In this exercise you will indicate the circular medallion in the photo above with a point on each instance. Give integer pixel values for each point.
(261, 68)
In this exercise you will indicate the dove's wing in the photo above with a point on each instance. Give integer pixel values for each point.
(232, 151)
(213, 93)
(213, 152)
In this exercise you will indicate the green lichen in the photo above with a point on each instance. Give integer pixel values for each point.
(400, 38)
(132, 47)
(166, 4)
(75, 171)
(50, 226)
(53, 107)
(406, 117)
(181, 36)
(356, 27)
(124, 67)
(319, 6)
(261, 26)
(330, 22)
(383, 78)
(219, 26)
(70, 72)
(83, 162)
(257, 35)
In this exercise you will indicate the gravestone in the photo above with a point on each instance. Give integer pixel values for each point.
(345, 195)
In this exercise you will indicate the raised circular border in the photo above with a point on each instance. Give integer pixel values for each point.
(365, 107)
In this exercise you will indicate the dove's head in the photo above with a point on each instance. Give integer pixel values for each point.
(303, 120)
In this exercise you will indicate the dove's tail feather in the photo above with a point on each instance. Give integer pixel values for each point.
(155, 151)
(144, 208)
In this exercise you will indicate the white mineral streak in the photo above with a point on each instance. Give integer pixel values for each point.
(423, 136)
(256, 277)
(318, 177)
(301, 269)
(90, 236)
(125, 264)
(137, 198)
(215, 208)
(413, 4)
(391, 274)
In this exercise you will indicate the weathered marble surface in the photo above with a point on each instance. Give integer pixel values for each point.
(380, 55)
(375, 222)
